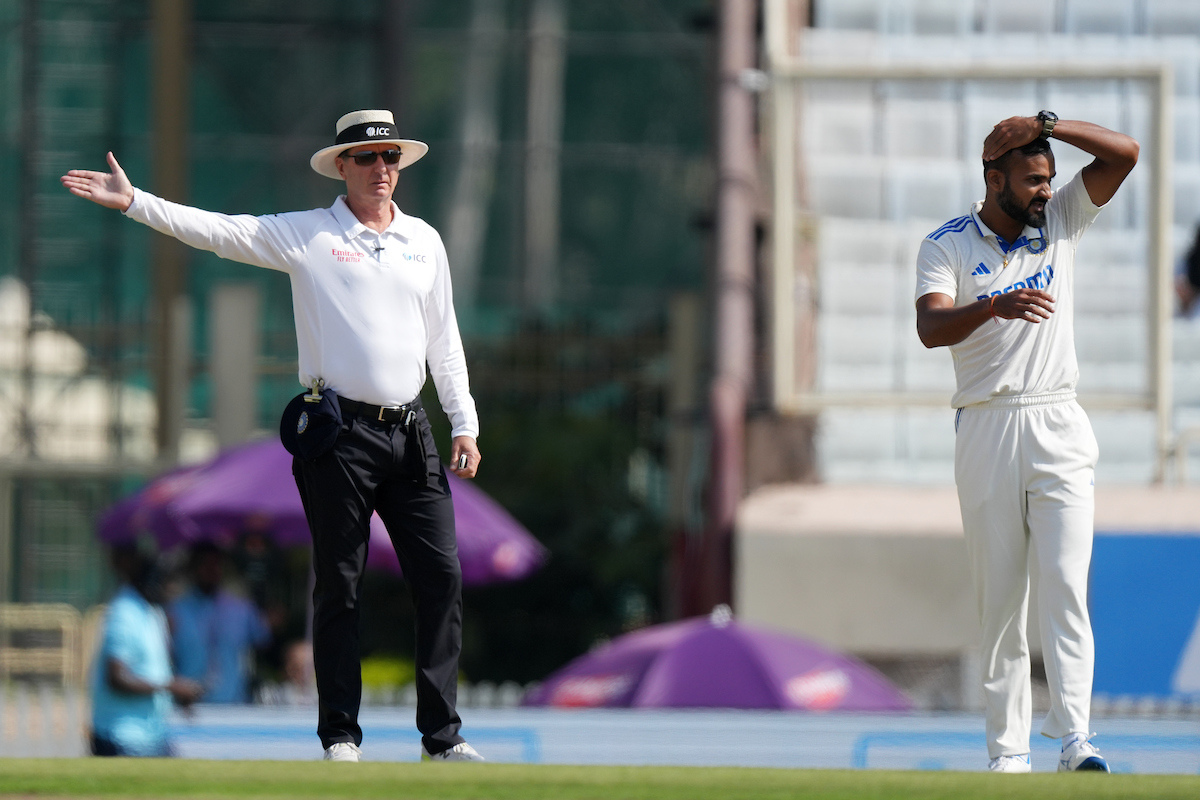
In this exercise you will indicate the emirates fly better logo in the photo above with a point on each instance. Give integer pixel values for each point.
(353, 256)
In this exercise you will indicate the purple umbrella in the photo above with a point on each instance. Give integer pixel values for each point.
(715, 662)
(252, 484)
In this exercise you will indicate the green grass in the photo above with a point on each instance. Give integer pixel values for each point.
(161, 778)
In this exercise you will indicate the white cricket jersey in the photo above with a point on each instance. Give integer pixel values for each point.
(968, 262)
(371, 308)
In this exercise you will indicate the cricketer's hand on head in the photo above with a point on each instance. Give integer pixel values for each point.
(1010, 133)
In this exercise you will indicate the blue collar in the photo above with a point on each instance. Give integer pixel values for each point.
(1006, 247)
(1036, 245)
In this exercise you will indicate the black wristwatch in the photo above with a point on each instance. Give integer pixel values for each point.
(1048, 119)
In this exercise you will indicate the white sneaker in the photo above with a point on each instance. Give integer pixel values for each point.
(343, 751)
(460, 752)
(1082, 756)
(1010, 764)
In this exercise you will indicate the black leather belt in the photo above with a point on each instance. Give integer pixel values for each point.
(404, 414)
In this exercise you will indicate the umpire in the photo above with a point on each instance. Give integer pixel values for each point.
(373, 305)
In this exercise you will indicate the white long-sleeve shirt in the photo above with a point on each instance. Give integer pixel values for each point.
(371, 308)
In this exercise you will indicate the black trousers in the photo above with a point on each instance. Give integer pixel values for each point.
(377, 466)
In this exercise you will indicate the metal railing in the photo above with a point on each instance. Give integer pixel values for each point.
(41, 642)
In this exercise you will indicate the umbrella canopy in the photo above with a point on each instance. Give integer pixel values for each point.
(715, 662)
(253, 484)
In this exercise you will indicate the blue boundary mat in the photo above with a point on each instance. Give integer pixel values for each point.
(684, 738)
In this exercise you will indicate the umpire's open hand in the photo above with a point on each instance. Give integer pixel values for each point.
(1031, 305)
(109, 189)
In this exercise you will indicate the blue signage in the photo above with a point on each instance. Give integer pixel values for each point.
(1145, 606)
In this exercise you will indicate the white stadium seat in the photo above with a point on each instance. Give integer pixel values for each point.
(846, 187)
(1108, 338)
(860, 340)
(1187, 194)
(1182, 49)
(1187, 129)
(920, 129)
(855, 240)
(924, 188)
(1126, 440)
(1095, 295)
(1101, 102)
(1099, 16)
(1101, 377)
(958, 47)
(935, 17)
(1186, 344)
(1018, 16)
(1172, 18)
(838, 45)
(1117, 255)
(851, 288)
(838, 125)
(859, 434)
(986, 103)
(928, 433)
(1138, 122)
(850, 14)
(924, 369)
(1187, 341)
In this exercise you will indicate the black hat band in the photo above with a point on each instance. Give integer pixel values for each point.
(366, 132)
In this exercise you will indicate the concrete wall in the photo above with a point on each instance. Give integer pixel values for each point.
(881, 571)
(870, 570)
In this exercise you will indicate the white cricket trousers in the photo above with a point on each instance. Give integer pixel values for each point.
(1025, 470)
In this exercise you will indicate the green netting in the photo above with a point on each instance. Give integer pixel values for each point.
(269, 77)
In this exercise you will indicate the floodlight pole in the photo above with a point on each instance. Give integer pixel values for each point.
(171, 36)
(733, 352)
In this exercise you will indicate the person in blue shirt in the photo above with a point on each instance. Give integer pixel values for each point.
(132, 682)
(214, 632)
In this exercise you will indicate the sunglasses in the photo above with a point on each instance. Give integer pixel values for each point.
(367, 158)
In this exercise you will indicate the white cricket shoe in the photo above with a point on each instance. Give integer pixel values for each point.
(460, 752)
(1010, 764)
(343, 751)
(1082, 756)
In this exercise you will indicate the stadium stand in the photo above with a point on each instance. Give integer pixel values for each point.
(879, 178)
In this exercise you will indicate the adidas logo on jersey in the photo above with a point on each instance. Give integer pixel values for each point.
(982, 270)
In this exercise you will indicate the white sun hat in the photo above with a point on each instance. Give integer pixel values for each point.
(365, 127)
